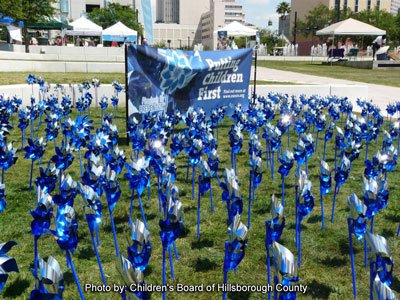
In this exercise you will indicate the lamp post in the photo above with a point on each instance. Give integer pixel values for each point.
(188, 42)
(180, 43)
(169, 44)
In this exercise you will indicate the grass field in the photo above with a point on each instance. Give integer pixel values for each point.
(384, 77)
(326, 265)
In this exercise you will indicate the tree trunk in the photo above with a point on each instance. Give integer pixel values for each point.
(26, 39)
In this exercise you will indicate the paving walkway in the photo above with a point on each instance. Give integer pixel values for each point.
(381, 95)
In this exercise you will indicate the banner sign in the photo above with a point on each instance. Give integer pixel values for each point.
(147, 20)
(167, 79)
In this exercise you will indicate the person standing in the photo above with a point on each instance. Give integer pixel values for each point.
(377, 43)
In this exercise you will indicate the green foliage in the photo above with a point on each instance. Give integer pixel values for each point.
(114, 12)
(283, 9)
(266, 38)
(28, 11)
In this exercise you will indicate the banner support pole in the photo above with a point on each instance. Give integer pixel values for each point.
(255, 75)
(126, 94)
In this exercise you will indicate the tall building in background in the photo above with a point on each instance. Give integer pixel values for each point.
(302, 7)
(167, 11)
(395, 7)
(221, 13)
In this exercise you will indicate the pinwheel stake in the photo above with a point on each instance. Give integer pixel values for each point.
(325, 183)
(140, 251)
(273, 140)
(93, 214)
(274, 228)
(114, 99)
(113, 193)
(381, 263)
(7, 264)
(67, 238)
(7, 158)
(341, 175)
(302, 209)
(49, 280)
(254, 181)
(170, 230)
(235, 248)
(285, 270)
(204, 186)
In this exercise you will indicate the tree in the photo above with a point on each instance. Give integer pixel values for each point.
(30, 11)
(283, 9)
(114, 12)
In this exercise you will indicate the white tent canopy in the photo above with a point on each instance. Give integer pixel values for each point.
(15, 33)
(119, 32)
(84, 27)
(237, 29)
(351, 27)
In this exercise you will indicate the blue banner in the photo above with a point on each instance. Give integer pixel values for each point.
(147, 20)
(166, 79)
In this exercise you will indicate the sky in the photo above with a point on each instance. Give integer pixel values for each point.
(257, 12)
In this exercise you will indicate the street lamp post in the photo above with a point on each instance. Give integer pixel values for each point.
(180, 43)
(188, 42)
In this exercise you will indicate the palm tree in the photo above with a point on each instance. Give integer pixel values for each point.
(283, 9)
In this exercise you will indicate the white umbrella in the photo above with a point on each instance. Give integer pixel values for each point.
(351, 27)
(237, 29)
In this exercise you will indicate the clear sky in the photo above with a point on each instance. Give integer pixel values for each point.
(257, 12)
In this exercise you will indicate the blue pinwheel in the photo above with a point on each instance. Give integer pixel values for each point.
(287, 162)
(103, 105)
(274, 229)
(170, 229)
(49, 281)
(7, 263)
(130, 277)
(328, 136)
(47, 179)
(67, 238)
(34, 151)
(235, 247)
(236, 142)
(94, 216)
(40, 225)
(23, 118)
(63, 158)
(94, 174)
(7, 158)
(67, 191)
(140, 251)
(357, 225)
(285, 271)
(139, 178)
(231, 195)
(341, 174)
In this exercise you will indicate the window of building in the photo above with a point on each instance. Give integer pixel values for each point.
(369, 4)
(345, 4)
(91, 7)
(378, 4)
(356, 6)
(233, 7)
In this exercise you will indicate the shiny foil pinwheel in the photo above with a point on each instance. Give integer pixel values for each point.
(94, 216)
(170, 229)
(287, 162)
(34, 151)
(235, 247)
(285, 270)
(325, 184)
(274, 229)
(7, 158)
(236, 142)
(140, 251)
(7, 263)
(231, 195)
(341, 174)
(131, 276)
(49, 282)
(204, 186)
(357, 225)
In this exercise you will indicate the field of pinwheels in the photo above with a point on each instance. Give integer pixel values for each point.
(291, 191)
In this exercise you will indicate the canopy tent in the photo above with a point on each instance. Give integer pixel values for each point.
(15, 33)
(237, 29)
(84, 27)
(351, 27)
(49, 25)
(119, 33)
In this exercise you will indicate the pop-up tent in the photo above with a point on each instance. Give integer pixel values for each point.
(15, 33)
(237, 29)
(84, 27)
(49, 25)
(119, 33)
(351, 27)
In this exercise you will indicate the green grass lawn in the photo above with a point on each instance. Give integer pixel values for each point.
(326, 264)
(384, 77)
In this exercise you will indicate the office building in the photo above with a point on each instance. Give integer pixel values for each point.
(221, 13)
(395, 9)
(167, 11)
